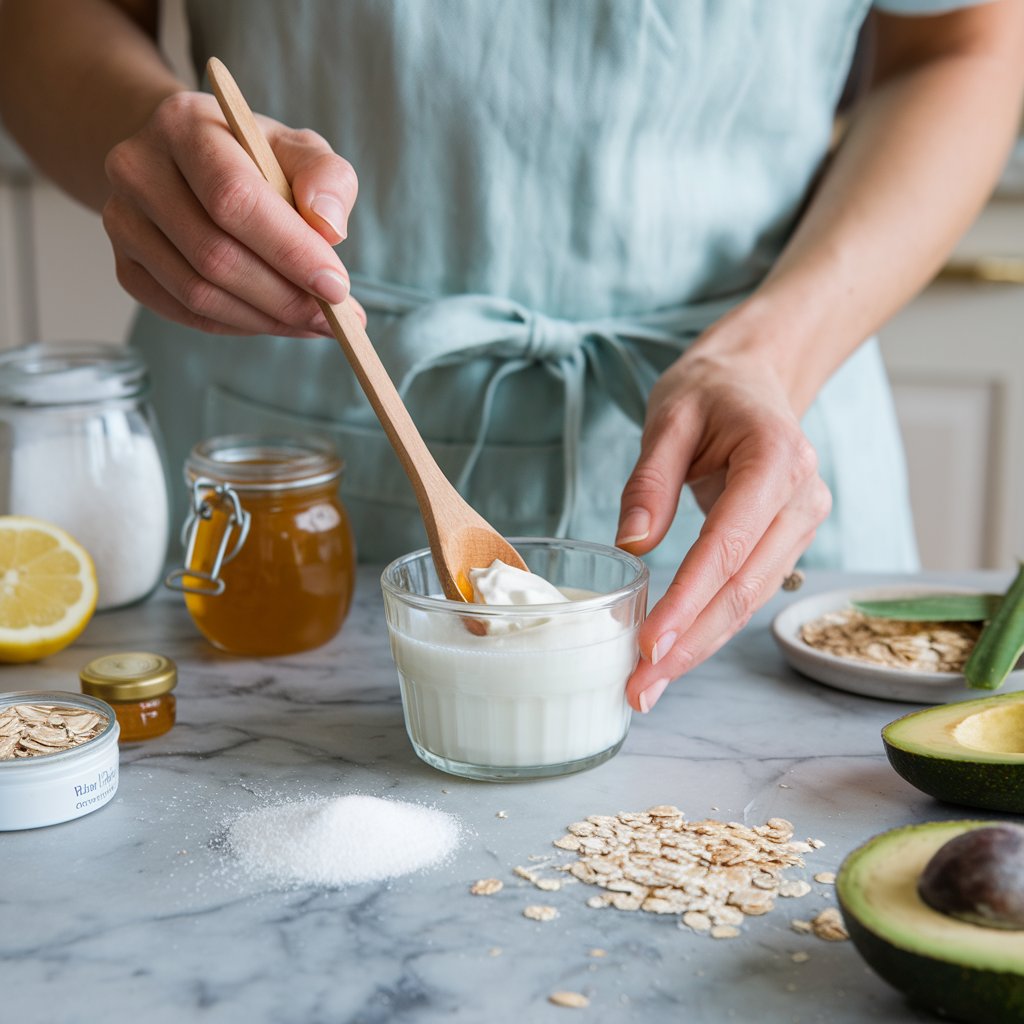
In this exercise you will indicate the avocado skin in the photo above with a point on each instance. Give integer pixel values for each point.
(967, 994)
(995, 787)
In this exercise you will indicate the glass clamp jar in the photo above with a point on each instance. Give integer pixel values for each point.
(269, 554)
(80, 448)
(137, 685)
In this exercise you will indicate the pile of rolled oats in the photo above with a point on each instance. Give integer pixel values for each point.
(916, 646)
(31, 730)
(712, 874)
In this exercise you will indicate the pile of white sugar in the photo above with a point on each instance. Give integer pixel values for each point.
(341, 841)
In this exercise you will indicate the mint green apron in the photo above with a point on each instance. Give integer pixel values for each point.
(555, 199)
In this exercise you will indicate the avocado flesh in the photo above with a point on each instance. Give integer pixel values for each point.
(879, 886)
(968, 753)
(967, 971)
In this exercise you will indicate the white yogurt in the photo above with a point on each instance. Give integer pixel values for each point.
(539, 688)
(500, 583)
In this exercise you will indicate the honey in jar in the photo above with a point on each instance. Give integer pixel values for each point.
(137, 685)
(270, 559)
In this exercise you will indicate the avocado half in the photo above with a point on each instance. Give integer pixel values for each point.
(963, 971)
(967, 753)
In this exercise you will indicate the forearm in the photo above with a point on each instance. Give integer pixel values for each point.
(76, 77)
(919, 159)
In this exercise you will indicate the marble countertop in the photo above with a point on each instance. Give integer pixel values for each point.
(136, 911)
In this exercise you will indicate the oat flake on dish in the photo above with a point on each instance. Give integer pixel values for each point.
(913, 646)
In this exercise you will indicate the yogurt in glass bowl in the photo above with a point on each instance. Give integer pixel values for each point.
(518, 691)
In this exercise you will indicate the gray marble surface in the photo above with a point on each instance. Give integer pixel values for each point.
(137, 913)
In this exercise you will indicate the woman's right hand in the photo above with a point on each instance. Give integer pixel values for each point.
(202, 239)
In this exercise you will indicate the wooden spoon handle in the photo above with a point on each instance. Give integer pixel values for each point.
(423, 472)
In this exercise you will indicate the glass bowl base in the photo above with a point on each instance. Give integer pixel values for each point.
(516, 773)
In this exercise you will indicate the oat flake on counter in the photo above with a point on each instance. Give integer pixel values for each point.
(571, 1000)
(486, 887)
(540, 912)
(828, 925)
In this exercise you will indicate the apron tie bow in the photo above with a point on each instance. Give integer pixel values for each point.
(623, 354)
(551, 338)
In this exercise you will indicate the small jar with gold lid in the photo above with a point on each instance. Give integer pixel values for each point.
(137, 685)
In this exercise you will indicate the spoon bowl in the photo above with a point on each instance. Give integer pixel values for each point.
(460, 538)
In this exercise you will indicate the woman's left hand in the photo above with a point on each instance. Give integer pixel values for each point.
(724, 417)
(723, 424)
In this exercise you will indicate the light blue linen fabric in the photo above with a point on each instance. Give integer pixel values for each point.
(555, 199)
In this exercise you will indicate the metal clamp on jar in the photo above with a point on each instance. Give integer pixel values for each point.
(270, 561)
(208, 497)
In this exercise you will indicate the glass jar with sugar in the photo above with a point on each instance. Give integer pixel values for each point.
(79, 447)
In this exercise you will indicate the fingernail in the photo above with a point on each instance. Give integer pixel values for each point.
(663, 646)
(321, 326)
(649, 697)
(328, 209)
(330, 286)
(635, 526)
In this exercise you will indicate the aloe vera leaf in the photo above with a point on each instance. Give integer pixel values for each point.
(1001, 642)
(934, 607)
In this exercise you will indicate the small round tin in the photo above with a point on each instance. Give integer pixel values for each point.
(45, 789)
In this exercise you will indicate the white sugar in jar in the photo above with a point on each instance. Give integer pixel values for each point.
(79, 448)
(527, 691)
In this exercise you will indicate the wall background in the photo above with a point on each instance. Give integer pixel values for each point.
(955, 354)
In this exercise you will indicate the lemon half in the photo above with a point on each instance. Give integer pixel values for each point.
(47, 588)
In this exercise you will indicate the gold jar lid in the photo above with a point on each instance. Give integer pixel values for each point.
(129, 675)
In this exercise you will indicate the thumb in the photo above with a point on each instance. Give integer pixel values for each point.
(324, 184)
(651, 495)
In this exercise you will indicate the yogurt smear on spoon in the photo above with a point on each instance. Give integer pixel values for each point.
(500, 583)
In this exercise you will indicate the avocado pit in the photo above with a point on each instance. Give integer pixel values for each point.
(978, 877)
(998, 730)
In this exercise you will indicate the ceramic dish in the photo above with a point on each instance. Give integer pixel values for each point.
(860, 676)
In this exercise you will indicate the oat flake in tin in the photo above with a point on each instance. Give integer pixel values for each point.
(39, 788)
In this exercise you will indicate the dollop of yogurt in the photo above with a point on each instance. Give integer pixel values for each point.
(501, 583)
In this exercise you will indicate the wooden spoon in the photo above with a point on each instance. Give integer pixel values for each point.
(460, 539)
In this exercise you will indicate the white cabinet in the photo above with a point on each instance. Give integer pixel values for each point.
(56, 269)
(956, 359)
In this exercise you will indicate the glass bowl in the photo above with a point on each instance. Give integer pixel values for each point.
(514, 692)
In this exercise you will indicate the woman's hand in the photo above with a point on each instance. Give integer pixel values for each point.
(201, 238)
(723, 424)
(945, 106)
